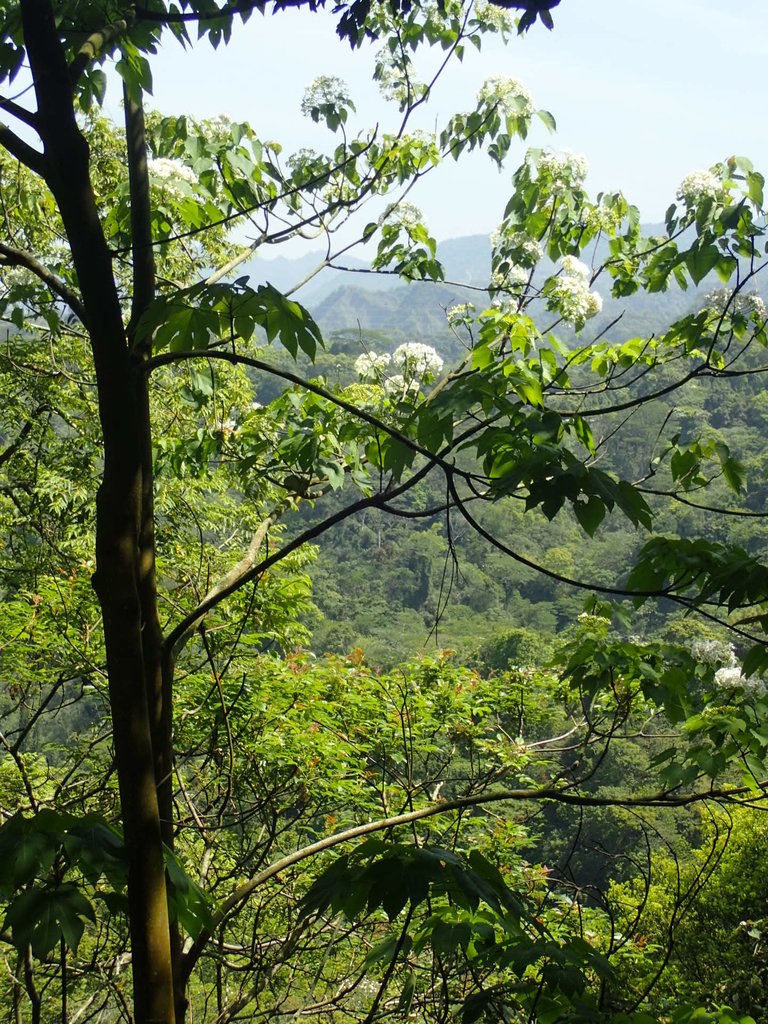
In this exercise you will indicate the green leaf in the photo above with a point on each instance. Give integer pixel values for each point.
(547, 120)
(403, 1008)
(41, 917)
(590, 514)
(701, 259)
(383, 950)
(188, 903)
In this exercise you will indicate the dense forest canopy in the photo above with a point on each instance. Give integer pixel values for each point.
(211, 812)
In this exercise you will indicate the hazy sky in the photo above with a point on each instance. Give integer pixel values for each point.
(648, 90)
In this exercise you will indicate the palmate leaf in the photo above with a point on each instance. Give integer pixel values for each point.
(701, 570)
(25, 852)
(28, 847)
(391, 876)
(288, 322)
(41, 917)
(205, 315)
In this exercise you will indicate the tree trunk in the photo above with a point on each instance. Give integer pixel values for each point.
(119, 570)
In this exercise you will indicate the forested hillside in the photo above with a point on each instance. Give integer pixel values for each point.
(395, 586)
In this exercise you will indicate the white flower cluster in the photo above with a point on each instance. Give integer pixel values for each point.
(404, 213)
(370, 365)
(396, 81)
(497, 18)
(754, 305)
(460, 313)
(171, 170)
(749, 304)
(571, 295)
(417, 360)
(401, 385)
(574, 267)
(602, 218)
(325, 90)
(713, 652)
(729, 677)
(513, 280)
(698, 186)
(508, 93)
(218, 126)
(524, 249)
(412, 361)
(565, 170)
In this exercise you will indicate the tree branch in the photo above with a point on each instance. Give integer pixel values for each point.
(10, 256)
(168, 358)
(228, 583)
(665, 798)
(95, 44)
(21, 113)
(222, 592)
(141, 216)
(23, 152)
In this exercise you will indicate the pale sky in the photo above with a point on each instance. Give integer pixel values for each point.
(647, 90)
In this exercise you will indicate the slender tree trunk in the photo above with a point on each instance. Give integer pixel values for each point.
(119, 575)
(158, 676)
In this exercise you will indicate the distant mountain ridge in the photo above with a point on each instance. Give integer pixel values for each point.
(356, 299)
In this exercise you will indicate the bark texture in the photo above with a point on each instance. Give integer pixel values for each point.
(124, 578)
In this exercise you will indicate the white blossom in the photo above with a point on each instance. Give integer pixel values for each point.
(511, 96)
(495, 17)
(171, 170)
(749, 304)
(602, 218)
(698, 186)
(713, 652)
(565, 170)
(522, 247)
(219, 126)
(518, 276)
(755, 305)
(574, 267)
(729, 678)
(571, 297)
(407, 214)
(755, 685)
(415, 359)
(396, 82)
(460, 313)
(325, 90)
(371, 365)
(400, 385)
(514, 278)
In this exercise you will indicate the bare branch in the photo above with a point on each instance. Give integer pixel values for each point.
(227, 583)
(23, 152)
(21, 113)
(210, 602)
